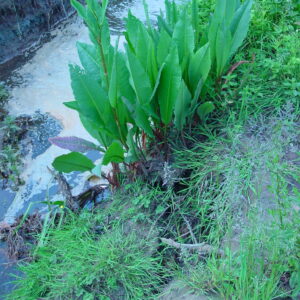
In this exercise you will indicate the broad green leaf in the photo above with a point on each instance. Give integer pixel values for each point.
(175, 12)
(196, 98)
(182, 106)
(81, 10)
(129, 105)
(106, 52)
(163, 47)
(225, 10)
(240, 25)
(92, 22)
(157, 82)
(92, 101)
(205, 109)
(145, 53)
(100, 36)
(152, 109)
(96, 12)
(222, 17)
(169, 86)
(124, 86)
(71, 162)
(171, 12)
(146, 11)
(133, 151)
(142, 120)
(103, 10)
(87, 95)
(183, 36)
(139, 79)
(90, 60)
(132, 28)
(95, 7)
(199, 67)
(223, 46)
(105, 42)
(168, 11)
(195, 21)
(123, 116)
(162, 25)
(227, 30)
(114, 153)
(72, 105)
(93, 106)
(212, 37)
(113, 83)
(96, 132)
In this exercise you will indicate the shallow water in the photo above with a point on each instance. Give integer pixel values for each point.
(42, 85)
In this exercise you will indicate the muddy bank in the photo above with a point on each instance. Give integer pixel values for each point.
(24, 23)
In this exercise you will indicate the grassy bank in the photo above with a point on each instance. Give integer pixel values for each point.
(220, 218)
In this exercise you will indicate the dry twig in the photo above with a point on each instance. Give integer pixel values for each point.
(189, 228)
(201, 248)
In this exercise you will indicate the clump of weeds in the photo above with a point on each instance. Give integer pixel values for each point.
(250, 177)
(10, 132)
(76, 263)
(4, 95)
(10, 162)
(21, 235)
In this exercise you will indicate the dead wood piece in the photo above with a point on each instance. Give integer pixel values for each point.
(65, 189)
(190, 229)
(89, 195)
(201, 248)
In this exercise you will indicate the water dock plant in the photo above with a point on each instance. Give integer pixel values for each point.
(157, 86)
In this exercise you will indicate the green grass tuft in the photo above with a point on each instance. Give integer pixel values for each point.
(85, 260)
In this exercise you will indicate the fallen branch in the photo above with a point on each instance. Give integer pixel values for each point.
(201, 248)
(65, 189)
(89, 195)
(190, 229)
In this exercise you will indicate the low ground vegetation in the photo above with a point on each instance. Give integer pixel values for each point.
(215, 211)
(9, 145)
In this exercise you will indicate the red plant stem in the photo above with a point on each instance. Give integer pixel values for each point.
(236, 65)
